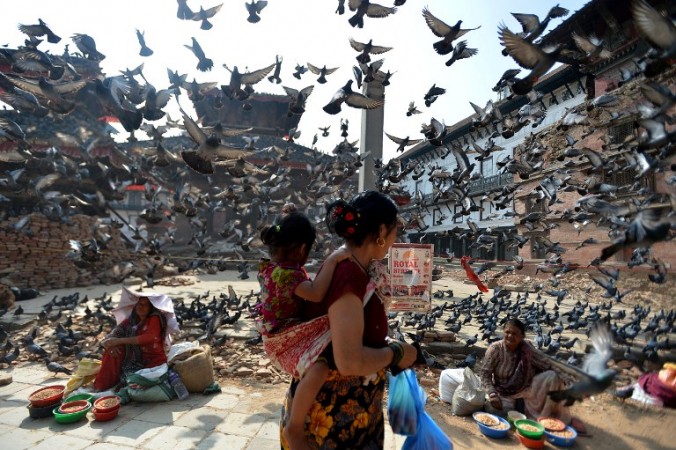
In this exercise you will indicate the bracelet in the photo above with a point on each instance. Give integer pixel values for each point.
(398, 353)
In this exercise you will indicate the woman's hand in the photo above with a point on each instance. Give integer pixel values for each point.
(110, 345)
(495, 401)
(410, 355)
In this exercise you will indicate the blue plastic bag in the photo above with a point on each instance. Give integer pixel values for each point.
(407, 416)
(404, 401)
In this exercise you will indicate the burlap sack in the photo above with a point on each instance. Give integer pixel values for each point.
(196, 368)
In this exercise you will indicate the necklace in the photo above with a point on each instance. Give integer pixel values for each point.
(360, 264)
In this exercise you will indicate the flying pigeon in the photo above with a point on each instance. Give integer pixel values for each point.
(348, 96)
(595, 375)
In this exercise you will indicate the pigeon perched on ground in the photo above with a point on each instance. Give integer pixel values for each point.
(595, 375)
(56, 367)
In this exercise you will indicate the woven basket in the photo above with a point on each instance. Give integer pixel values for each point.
(196, 368)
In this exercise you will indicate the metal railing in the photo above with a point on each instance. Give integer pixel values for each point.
(123, 206)
(489, 183)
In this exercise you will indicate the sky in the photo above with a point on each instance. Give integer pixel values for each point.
(301, 31)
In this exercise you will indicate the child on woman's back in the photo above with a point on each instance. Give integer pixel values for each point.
(284, 284)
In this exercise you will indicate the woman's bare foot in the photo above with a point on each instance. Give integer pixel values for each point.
(295, 437)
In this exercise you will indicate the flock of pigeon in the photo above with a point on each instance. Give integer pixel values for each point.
(43, 85)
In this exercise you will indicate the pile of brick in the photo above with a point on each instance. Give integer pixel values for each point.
(36, 252)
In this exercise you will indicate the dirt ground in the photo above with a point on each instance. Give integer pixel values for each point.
(611, 424)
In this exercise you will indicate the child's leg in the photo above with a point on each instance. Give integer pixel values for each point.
(305, 395)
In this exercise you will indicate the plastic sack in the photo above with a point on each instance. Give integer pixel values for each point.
(181, 347)
(449, 380)
(469, 397)
(86, 372)
(151, 373)
(405, 399)
(149, 385)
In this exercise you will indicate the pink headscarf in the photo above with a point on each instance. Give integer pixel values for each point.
(162, 302)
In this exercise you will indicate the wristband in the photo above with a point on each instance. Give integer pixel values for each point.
(398, 353)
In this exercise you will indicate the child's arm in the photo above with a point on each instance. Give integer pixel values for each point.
(314, 291)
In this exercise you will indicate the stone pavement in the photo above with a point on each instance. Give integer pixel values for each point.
(238, 418)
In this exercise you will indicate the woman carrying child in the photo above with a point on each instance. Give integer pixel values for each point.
(284, 285)
(347, 412)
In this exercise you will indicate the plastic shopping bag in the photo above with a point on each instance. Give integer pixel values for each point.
(406, 411)
(402, 403)
(428, 437)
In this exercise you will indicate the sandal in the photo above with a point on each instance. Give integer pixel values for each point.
(578, 426)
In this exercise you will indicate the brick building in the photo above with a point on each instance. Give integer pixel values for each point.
(562, 89)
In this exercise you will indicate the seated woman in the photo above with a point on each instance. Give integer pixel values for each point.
(513, 369)
(140, 340)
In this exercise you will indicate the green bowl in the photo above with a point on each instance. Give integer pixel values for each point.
(76, 397)
(536, 435)
(70, 417)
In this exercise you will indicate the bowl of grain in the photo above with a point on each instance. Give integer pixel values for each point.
(565, 438)
(46, 396)
(491, 425)
(530, 428)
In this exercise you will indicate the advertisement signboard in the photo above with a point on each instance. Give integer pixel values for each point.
(410, 267)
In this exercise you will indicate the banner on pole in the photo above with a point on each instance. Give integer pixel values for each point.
(410, 268)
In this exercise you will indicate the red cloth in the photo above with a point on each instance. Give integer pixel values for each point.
(654, 387)
(464, 261)
(348, 277)
(152, 354)
(296, 348)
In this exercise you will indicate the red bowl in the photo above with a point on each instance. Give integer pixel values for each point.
(73, 407)
(530, 443)
(101, 416)
(107, 403)
(47, 396)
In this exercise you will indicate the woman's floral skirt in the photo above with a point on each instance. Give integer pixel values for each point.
(347, 414)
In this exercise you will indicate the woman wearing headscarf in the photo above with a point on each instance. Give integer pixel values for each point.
(513, 369)
(141, 339)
